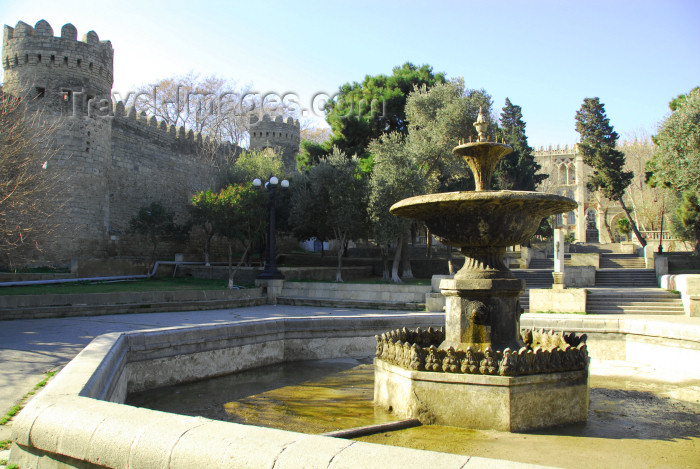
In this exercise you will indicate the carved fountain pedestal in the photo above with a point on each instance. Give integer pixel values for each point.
(481, 371)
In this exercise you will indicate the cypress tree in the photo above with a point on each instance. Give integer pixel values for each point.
(598, 141)
(518, 170)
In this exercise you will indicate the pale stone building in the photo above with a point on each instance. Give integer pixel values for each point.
(567, 176)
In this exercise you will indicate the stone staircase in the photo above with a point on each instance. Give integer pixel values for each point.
(630, 278)
(633, 301)
(617, 271)
(621, 261)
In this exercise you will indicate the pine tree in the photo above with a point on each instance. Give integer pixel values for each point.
(518, 170)
(598, 141)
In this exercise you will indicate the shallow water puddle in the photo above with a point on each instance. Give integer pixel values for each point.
(630, 424)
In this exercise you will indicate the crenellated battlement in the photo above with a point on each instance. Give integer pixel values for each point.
(34, 57)
(556, 150)
(277, 128)
(178, 138)
(278, 133)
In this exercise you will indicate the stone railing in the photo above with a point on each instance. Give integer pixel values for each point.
(657, 235)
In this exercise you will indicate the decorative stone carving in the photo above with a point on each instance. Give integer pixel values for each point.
(544, 352)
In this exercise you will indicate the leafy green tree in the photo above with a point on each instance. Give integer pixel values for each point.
(624, 228)
(545, 230)
(253, 164)
(363, 111)
(687, 222)
(334, 198)
(518, 170)
(155, 223)
(680, 99)
(598, 142)
(395, 176)
(203, 212)
(306, 211)
(310, 153)
(439, 118)
(676, 162)
(240, 215)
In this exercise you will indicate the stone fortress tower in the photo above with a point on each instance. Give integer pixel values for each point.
(63, 76)
(278, 134)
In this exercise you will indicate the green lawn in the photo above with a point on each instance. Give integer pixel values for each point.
(153, 284)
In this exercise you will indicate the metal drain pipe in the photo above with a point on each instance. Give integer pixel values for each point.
(372, 429)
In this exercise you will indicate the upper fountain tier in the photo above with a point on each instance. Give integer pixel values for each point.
(483, 218)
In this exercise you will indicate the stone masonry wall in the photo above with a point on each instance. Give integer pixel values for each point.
(111, 162)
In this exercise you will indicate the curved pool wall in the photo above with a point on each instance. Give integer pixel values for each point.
(79, 420)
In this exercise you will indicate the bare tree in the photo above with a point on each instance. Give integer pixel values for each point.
(213, 106)
(311, 131)
(29, 179)
(647, 202)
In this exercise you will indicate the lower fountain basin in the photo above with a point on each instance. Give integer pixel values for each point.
(71, 424)
(483, 402)
(485, 218)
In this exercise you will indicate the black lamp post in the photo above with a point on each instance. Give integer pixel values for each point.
(272, 185)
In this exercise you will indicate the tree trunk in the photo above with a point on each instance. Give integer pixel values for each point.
(208, 234)
(450, 261)
(384, 250)
(341, 249)
(207, 246)
(635, 211)
(397, 260)
(641, 240)
(232, 275)
(428, 244)
(152, 264)
(406, 260)
(604, 211)
(230, 266)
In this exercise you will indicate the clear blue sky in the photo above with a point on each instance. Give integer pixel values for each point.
(546, 56)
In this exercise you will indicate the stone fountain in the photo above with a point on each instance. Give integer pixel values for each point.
(480, 370)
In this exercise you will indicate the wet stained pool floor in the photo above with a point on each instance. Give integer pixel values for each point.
(630, 422)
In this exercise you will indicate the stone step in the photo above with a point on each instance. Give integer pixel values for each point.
(623, 310)
(651, 301)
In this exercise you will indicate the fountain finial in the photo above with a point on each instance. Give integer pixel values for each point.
(481, 125)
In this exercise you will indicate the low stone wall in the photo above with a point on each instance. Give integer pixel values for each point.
(356, 291)
(588, 259)
(665, 344)
(688, 285)
(91, 304)
(248, 274)
(579, 276)
(569, 300)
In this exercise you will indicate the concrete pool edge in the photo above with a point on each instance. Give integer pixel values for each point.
(67, 425)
